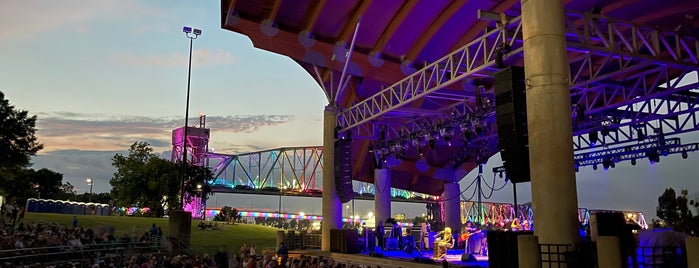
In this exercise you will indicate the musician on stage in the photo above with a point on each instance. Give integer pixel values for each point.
(444, 241)
(425, 235)
(469, 230)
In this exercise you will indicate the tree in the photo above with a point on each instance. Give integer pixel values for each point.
(227, 214)
(675, 212)
(145, 180)
(46, 182)
(18, 141)
(66, 192)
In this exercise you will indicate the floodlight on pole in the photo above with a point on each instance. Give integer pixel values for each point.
(191, 33)
(89, 182)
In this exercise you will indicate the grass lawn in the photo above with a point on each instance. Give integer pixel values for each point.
(232, 236)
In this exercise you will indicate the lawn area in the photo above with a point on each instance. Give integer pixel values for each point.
(232, 236)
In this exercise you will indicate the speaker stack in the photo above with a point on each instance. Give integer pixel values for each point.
(511, 113)
(343, 170)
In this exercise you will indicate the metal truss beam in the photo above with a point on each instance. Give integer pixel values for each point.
(609, 51)
(672, 115)
(282, 169)
(470, 60)
(614, 156)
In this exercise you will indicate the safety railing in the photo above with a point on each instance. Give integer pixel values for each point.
(652, 257)
(566, 255)
(77, 252)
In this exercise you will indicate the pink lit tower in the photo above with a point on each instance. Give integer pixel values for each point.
(197, 147)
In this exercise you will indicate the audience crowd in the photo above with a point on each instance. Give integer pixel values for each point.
(43, 244)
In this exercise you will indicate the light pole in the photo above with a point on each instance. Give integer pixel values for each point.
(38, 191)
(192, 34)
(89, 183)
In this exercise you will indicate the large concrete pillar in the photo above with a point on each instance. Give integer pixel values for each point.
(554, 194)
(692, 245)
(382, 194)
(528, 251)
(452, 206)
(608, 252)
(332, 207)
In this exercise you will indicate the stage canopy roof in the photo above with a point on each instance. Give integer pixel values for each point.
(613, 44)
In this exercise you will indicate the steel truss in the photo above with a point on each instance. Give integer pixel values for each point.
(608, 157)
(608, 51)
(291, 169)
(672, 115)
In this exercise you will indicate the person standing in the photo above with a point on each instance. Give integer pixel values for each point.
(379, 235)
(221, 258)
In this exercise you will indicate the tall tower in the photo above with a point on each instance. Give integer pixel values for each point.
(197, 147)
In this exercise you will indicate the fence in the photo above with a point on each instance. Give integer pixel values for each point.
(571, 256)
(67, 253)
(658, 257)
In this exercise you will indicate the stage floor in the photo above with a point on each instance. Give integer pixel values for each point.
(397, 258)
(453, 257)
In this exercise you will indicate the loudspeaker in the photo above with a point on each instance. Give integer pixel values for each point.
(511, 113)
(343, 170)
(473, 257)
(607, 223)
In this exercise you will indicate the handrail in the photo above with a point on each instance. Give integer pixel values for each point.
(68, 252)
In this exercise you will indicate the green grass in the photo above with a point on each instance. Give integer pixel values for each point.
(232, 236)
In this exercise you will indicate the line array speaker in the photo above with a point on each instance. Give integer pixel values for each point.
(511, 113)
(343, 170)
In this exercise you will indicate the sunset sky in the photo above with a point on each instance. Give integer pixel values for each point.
(101, 75)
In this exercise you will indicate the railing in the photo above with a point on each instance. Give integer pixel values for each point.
(66, 253)
(653, 257)
(570, 256)
(311, 241)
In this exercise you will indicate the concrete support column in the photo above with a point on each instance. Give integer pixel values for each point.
(692, 244)
(452, 206)
(608, 252)
(382, 194)
(528, 251)
(554, 194)
(280, 238)
(180, 226)
(332, 207)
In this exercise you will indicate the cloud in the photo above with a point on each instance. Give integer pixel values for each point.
(64, 130)
(200, 58)
(31, 18)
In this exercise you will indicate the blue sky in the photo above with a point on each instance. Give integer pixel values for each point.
(104, 74)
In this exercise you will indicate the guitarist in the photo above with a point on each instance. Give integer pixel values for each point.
(469, 230)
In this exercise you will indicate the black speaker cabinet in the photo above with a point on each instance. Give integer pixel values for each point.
(343, 170)
(511, 113)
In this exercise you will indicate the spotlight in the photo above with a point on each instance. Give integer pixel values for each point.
(633, 162)
(612, 165)
(616, 159)
(684, 155)
(593, 137)
(641, 136)
(605, 132)
(594, 167)
(653, 156)
(665, 152)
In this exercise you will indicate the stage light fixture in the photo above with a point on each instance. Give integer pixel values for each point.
(594, 167)
(593, 137)
(684, 155)
(633, 162)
